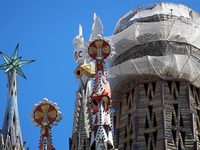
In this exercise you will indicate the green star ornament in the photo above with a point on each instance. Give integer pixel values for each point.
(14, 62)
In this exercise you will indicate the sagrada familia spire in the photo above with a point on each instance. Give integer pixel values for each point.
(84, 73)
(11, 137)
(45, 115)
(92, 128)
(101, 138)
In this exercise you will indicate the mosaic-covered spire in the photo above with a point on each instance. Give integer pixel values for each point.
(11, 131)
(45, 115)
(100, 50)
(83, 126)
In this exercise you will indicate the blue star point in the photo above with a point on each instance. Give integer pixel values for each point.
(14, 62)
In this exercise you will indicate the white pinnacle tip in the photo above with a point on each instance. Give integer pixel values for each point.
(36, 124)
(57, 108)
(61, 117)
(112, 49)
(99, 36)
(58, 119)
(50, 125)
(31, 115)
(55, 123)
(59, 113)
(108, 40)
(89, 42)
(50, 102)
(45, 100)
(40, 103)
(104, 38)
(112, 54)
(35, 105)
(54, 104)
(33, 120)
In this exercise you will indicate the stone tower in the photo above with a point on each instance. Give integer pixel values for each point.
(101, 138)
(155, 78)
(82, 113)
(89, 131)
(11, 137)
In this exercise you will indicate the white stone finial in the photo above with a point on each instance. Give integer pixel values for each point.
(45, 100)
(80, 47)
(80, 31)
(97, 28)
(31, 115)
(54, 104)
(35, 105)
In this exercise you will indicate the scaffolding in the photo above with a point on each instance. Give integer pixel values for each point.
(160, 40)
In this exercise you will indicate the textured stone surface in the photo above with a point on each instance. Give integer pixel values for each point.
(164, 117)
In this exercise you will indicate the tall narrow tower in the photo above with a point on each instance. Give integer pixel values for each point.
(89, 130)
(11, 137)
(101, 137)
(82, 115)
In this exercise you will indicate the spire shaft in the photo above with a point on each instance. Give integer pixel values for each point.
(11, 126)
(101, 138)
(82, 114)
(11, 132)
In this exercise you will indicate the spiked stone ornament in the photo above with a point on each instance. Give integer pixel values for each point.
(14, 62)
(45, 115)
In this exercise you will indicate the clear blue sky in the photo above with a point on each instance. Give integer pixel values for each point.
(45, 30)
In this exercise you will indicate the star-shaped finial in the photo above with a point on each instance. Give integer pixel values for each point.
(14, 62)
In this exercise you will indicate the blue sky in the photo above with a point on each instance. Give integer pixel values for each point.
(45, 30)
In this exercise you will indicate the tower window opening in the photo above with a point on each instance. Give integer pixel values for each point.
(127, 97)
(78, 72)
(133, 93)
(130, 144)
(125, 145)
(129, 119)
